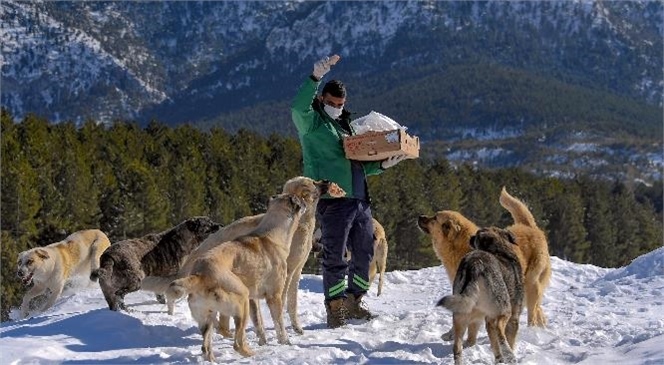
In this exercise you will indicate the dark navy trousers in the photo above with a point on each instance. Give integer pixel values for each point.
(345, 223)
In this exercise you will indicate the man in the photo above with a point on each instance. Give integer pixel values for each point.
(322, 123)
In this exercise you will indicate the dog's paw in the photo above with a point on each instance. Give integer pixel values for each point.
(447, 336)
(161, 298)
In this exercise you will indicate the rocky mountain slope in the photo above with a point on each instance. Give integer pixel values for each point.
(441, 67)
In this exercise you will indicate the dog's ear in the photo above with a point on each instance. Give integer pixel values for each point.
(473, 241)
(323, 186)
(509, 236)
(450, 226)
(298, 203)
(42, 254)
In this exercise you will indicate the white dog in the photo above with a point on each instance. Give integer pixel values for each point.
(51, 266)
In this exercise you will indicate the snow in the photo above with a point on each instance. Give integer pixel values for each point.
(596, 316)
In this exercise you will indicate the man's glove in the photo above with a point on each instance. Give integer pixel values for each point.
(323, 66)
(391, 161)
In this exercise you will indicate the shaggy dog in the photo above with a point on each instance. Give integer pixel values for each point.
(488, 286)
(379, 261)
(250, 267)
(51, 266)
(450, 232)
(126, 263)
(306, 189)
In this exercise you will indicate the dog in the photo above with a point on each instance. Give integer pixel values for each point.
(254, 266)
(488, 286)
(378, 263)
(50, 267)
(310, 192)
(450, 232)
(126, 263)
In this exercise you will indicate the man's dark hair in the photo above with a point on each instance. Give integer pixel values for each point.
(335, 88)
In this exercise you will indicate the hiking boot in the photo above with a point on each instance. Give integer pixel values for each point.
(357, 309)
(337, 314)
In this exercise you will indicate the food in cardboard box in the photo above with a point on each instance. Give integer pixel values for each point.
(379, 137)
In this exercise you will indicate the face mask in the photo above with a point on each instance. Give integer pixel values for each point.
(333, 112)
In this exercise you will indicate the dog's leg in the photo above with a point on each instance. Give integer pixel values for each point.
(109, 294)
(496, 330)
(473, 330)
(95, 255)
(52, 297)
(533, 302)
(257, 319)
(240, 344)
(533, 293)
(373, 269)
(206, 331)
(170, 303)
(492, 331)
(276, 311)
(36, 290)
(205, 318)
(459, 329)
(290, 297)
(511, 330)
(224, 326)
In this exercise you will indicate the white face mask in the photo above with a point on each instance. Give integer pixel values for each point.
(333, 112)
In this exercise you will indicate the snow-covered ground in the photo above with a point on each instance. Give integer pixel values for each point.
(596, 316)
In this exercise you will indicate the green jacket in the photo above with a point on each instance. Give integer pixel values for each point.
(321, 139)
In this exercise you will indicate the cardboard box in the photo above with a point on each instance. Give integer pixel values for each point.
(375, 146)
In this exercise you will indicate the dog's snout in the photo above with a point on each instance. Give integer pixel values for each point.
(422, 223)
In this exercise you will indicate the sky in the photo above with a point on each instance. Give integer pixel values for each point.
(596, 316)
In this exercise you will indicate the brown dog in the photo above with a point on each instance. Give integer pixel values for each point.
(488, 286)
(252, 266)
(450, 232)
(51, 266)
(379, 261)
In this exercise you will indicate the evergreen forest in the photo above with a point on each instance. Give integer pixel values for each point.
(129, 180)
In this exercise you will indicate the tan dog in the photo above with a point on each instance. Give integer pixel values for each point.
(379, 261)
(252, 266)
(450, 232)
(51, 266)
(488, 286)
(310, 192)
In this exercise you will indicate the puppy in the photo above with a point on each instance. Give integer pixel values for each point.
(126, 263)
(488, 286)
(253, 266)
(378, 263)
(450, 232)
(51, 266)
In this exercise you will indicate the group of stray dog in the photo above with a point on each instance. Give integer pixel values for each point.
(225, 270)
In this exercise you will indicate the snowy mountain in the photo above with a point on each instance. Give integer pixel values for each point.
(596, 316)
(186, 61)
(523, 81)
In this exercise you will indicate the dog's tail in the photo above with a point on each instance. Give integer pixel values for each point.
(517, 209)
(105, 269)
(158, 284)
(179, 288)
(467, 279)
(457, 303)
